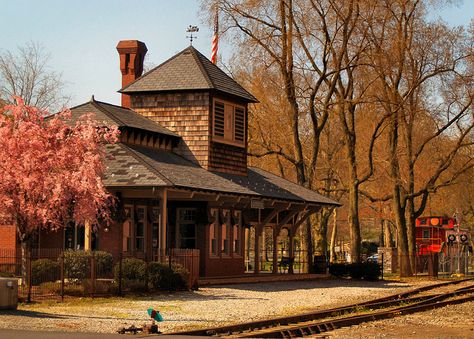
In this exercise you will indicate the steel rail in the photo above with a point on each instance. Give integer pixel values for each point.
(312, 328)
(384, 302)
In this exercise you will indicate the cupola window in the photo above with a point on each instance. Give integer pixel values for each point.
(229, 123)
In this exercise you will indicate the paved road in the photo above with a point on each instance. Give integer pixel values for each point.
(19, 334)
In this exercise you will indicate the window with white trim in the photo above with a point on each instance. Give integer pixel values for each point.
(228, 123)
(140, 227)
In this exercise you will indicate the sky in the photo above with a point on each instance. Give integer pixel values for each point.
(81, 36)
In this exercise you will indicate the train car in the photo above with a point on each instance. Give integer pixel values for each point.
(431, 233)
(436, 234)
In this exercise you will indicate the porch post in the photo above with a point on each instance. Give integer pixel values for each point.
(291, 253)
(258, 229)
(257, 249)
(87, 236)
(276, 231)
(163, 222)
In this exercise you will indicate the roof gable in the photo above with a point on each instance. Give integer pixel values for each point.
(187, 70)
(119, 116)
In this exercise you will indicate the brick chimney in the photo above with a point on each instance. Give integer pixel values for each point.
(132, 53)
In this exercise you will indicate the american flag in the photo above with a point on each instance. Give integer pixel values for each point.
(215, 38)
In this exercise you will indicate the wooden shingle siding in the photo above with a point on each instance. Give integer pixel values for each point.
(227, 159)
(185, 113)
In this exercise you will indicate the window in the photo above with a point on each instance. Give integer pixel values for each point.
(236, 234)
(186, 228)
(155, 228)
(225, 234)
(225, 239)
(213, 239)
(213, 233)
(229, 123)
(140, 229)
(127, 230)
(74, 236)
(426, 234)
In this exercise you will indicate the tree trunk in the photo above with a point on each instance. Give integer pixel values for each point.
(402, 240)
(411, 234)
(387, 234)
(332, 246)
(309, 245)
(320, 237)
(24, 262)
(354, 227)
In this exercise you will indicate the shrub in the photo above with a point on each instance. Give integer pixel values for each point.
(156, 272)
(135, 285)
(339, 270)
(104, 263)
(132, 269)
(161, 277)
(76, 264)
(43, 270)
(181, 277)
(98, 286)
(366, 270)
(6, 274)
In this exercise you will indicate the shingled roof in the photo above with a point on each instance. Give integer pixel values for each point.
(187, 70)
(119, 116)
(140, 166)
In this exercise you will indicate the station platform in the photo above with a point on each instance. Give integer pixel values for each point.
(249, 278)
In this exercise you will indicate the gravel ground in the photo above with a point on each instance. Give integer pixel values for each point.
(454, 321)
(209, 306)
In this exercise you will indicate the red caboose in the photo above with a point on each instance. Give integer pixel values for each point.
(431, 233)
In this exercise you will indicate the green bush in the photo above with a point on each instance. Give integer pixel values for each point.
(161, 277)
(181, 277)
(135, 285)
(7, 274)
(76, 264)
(156, 272)
(339, 270)
(104, 262)
(365, 270)
(132, 269)
(44, 270)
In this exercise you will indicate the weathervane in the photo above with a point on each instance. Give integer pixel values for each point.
(192, 29)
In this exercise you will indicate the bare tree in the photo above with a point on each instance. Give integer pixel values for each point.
(26, 73)
(426, 92)
(288, 39)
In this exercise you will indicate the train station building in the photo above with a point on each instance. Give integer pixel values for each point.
(180, 171)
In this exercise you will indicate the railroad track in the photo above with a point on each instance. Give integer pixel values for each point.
(316, 323)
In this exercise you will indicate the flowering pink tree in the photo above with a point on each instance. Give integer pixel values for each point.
(51, 169)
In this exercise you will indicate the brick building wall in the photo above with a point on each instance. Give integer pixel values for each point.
(8, 241)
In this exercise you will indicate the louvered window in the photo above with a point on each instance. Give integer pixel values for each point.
(219, 113)
(229, 123)
(239, 127)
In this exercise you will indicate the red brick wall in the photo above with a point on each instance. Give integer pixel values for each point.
(111, 241)
(52, 239)
(221, 266)
(8, 239)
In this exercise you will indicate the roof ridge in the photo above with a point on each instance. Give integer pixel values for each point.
(109, 104)
(144, 162)
(107, 113)
(201, 65)
(154, 68)
(196, 56)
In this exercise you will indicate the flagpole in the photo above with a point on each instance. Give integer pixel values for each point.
(215, 37)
